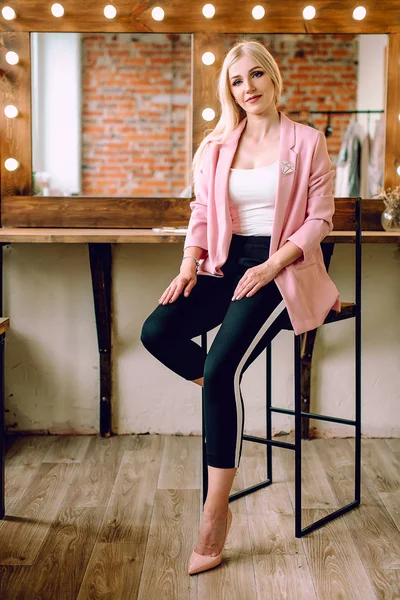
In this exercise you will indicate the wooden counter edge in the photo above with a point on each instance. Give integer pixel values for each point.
(4, 324)
(147, 236)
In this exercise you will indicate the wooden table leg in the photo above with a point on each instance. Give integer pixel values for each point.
(2, 404)
(100, 268)
(2, 431)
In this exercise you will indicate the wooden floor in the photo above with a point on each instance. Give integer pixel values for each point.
(94, 518)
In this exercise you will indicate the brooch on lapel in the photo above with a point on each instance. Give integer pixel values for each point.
(287, 167)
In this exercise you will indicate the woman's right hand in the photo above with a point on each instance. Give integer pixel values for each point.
(185, 281)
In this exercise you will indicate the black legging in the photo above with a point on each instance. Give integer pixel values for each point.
(247, 327)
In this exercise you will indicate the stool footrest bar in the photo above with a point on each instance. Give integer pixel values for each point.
(253, 438)
(288, 411)
(249, 490)
(327, 518)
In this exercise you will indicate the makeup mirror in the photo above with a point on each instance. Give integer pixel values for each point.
(111, 112)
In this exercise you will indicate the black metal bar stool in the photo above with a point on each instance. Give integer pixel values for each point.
(347, 218)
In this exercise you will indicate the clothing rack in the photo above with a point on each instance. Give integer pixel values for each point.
(328, 129)
(333, 112)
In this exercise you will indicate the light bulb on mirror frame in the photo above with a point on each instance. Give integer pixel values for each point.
(11, 111)
(208, 11)
(359, 13)
(11, 164)
(208, 58)
(8, 13)
(110, 11)
(309, 13)
(12, 58)
(258, 12)
(57, 10)
(158, 13)
(208, 114)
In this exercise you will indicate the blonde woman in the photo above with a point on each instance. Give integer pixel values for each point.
(264, 202)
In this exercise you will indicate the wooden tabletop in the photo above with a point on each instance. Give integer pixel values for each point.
(4, 324)
(148, 236)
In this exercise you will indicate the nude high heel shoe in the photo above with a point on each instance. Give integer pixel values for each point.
(199, 563)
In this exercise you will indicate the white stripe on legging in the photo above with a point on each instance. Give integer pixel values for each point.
(239, 410)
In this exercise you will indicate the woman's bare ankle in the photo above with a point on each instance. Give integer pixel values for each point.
(199, 381)
(215, 511)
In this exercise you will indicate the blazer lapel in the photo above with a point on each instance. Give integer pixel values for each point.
(287, 170)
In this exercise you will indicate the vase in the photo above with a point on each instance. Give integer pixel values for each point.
(390, 220)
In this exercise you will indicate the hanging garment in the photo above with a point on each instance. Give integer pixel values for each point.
(377, 158)
(352, 165)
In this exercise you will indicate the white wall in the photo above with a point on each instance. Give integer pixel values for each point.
(52, 376)
(371, 76)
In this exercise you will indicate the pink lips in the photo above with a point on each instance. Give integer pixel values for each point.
(253, 99)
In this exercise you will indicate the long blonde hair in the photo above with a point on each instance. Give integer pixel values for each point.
(231, 113)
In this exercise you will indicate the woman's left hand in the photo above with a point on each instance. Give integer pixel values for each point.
(254, 279)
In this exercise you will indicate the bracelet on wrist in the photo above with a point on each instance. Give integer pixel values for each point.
(195, 259)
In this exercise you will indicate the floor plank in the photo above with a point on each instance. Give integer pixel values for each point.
(281, 577)
(376, 537)
(60, 565)
(253, 469)
(28, 521)
(67, 449)
(335, 563)
(382, 466)
(316, 491)
(338, 459)
(114, 572)
(129, 511)
(394, 444)
(90, 517)
(386, 583)
(391, 500)
(171, 540)
(97, 472)
(180, 466)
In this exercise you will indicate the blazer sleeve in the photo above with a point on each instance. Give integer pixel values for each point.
(320, 201)
(197, 228)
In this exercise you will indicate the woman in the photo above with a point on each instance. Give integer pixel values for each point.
(264, 202)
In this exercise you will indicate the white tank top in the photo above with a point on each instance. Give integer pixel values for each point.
(252, 197)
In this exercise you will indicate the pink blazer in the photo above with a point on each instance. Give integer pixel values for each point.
(303, 215)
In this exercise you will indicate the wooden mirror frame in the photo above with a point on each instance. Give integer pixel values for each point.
(19, 208)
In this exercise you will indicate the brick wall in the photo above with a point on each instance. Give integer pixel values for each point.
(136, 114)
(136, 103)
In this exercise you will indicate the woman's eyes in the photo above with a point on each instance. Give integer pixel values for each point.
(258, 73)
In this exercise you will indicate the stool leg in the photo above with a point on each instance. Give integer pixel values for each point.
(2, 432)
(357, 472)
(203, 451)
(203, 430)
(358, 265)
(268, 410)
(297, 424)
